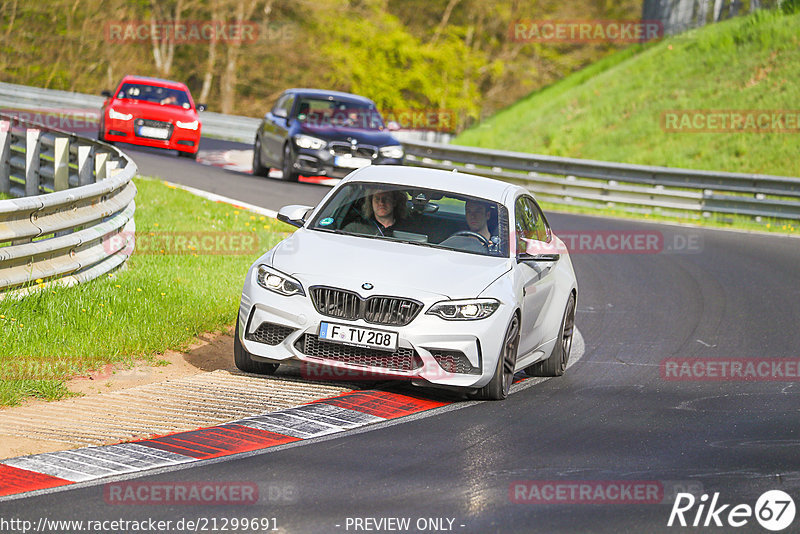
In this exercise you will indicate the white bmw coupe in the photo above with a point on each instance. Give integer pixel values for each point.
(440, 278)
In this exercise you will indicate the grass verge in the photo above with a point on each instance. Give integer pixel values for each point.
(168, 294)
(613, 109)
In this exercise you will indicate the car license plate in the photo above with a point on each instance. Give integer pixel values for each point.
(358, 336)
(350, 162)
(156, 133)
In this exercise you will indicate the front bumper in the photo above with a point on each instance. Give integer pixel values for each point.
(431, 350)
(311, 162)
(181, 139)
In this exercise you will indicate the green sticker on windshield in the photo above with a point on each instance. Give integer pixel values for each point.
(327, 221)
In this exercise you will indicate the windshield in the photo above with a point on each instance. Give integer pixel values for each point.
(318, 112)
(425, 217)
(155, 94)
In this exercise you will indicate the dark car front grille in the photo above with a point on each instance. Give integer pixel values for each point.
(339, 148)
(342, 304)
(336, 303)
(270, 334)
(364, 151)
(390, 310)
(403, 359)
(454, 361)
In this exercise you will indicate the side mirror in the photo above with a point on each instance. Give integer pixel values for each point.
(393, 126)
(525, 257)
(280, 112)
(295, 214)
(201, 107)
(106, 93)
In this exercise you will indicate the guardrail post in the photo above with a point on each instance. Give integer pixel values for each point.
(61, 163)
(32, 145)
(85, 176)
(112, 168)
(100, 159)
(5, 153)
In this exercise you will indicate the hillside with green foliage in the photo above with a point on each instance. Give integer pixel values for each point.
(404, 54)
(614, 110)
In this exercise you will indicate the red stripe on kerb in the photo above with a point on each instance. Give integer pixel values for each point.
(217, 441)
(382, 403)
(313, 179)
(14, 480)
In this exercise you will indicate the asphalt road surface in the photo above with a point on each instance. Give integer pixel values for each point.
(547, 458)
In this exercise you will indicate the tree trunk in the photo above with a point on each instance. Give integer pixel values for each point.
(717, 10)
(164, 49)
(228, 82)
(702, 13)
(445, 18)
(11, 19)
(212, 57)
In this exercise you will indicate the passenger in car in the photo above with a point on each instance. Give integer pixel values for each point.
(478, 215)
(383, 211)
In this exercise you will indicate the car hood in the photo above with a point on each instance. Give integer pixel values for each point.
(393, 268)
(147, 110)
(364, 137)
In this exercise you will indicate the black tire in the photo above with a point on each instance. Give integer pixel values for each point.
(556, 364)
(258, 167)
(188, 155)
(288, 165)
(245, 362)
(500, 384)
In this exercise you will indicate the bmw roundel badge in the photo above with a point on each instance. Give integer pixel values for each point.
(367, 286)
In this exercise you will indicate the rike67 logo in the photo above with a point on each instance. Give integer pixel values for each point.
(774, 510)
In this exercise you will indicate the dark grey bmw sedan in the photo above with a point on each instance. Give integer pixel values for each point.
(312, 132)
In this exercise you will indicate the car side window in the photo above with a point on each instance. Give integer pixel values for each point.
(283, 106)
(530, 223)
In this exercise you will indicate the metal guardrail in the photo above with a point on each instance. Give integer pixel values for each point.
(629, 187)
(13, 96)
(230, 127)
(74, 194)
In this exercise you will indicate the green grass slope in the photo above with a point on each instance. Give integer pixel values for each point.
(613, 110)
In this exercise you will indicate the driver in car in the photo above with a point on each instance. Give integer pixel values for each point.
(382, 212)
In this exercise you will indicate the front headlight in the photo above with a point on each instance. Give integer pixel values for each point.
(394, 152)
(464, 310)
(113, 114)
(187, 125)
(278, 282)
(306, 141)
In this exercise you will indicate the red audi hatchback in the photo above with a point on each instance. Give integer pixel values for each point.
(152, 112)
